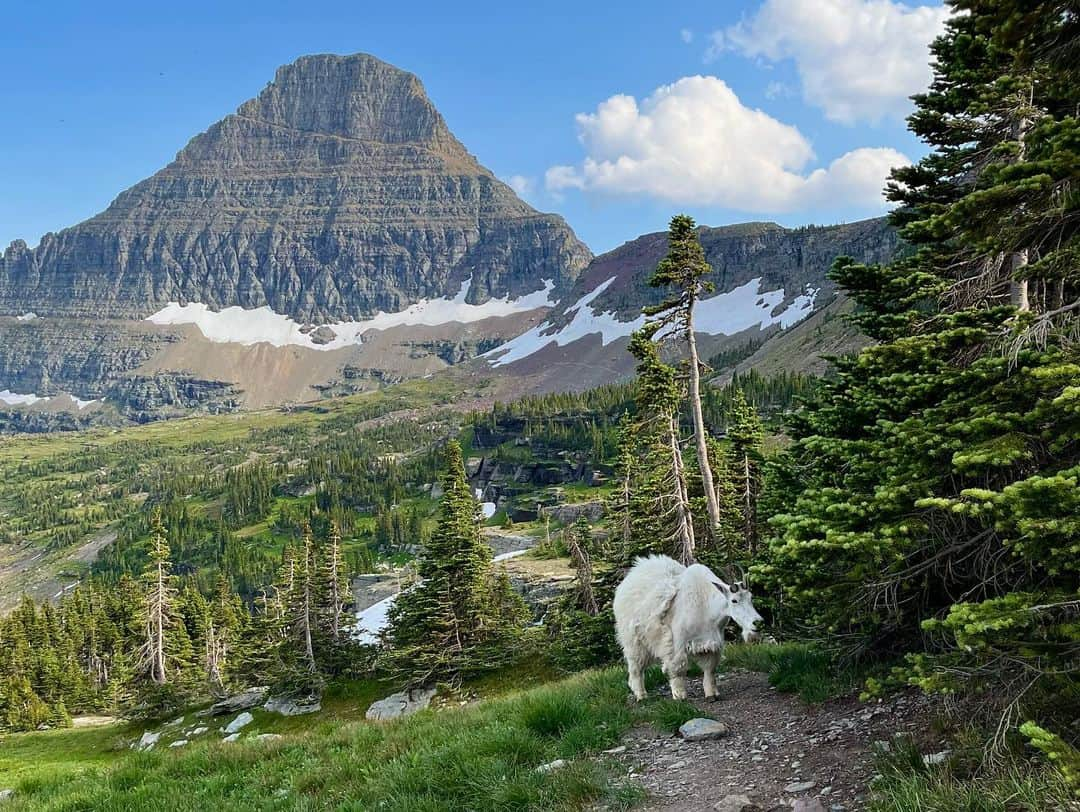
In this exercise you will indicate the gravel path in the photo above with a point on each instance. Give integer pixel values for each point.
(780, 753)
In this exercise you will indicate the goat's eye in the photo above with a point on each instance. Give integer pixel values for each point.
(734, 600)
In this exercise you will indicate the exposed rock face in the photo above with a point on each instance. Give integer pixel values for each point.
(86, 357)
(337, 192)
(788, 258)
(403, 703)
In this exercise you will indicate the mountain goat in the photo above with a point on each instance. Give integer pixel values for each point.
(670, 613)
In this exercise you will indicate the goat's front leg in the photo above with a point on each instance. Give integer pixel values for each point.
(708, 663)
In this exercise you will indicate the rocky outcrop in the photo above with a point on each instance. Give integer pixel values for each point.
(403, 703)
(143, 398)
(789, 258)
(337, 192)
(84, 357)
(593, 511)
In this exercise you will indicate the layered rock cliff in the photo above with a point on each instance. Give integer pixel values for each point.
(788, 259)
(337, 192)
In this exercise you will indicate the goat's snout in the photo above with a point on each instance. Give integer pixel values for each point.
(753, 634)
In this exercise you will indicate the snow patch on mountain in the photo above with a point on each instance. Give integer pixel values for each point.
(15, 399)
(724, 314)
(370, 622)
(10, 398)
(235, 325)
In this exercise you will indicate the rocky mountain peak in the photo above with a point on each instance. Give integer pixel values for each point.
(336, 192)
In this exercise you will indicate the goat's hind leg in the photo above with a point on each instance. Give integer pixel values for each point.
(635, 666)
(676, 674)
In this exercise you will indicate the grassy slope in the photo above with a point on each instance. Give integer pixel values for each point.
(80, 470)
(480, 757)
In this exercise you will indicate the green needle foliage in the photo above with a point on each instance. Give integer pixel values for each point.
(930, 499)
(459, 619)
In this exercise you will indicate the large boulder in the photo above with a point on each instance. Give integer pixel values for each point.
(402, 703)
(241, 721)
(292, 706)
(570, 513)
(239, 702)
(148, 740)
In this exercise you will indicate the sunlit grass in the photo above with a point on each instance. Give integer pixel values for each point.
(483, 756)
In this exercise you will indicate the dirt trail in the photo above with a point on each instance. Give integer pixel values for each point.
(778, 750)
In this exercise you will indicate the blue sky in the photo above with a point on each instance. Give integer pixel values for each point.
(613, 115)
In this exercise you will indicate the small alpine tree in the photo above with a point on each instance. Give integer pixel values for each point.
(682, 271)
(158, 611)
(458, 618)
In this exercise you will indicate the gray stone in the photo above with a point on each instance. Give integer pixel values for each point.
(697, 730)
(6, 795)
(148, 740)
(933, 759)
(231, 737)
(800, 786)
(568, 514)
(179, 743)
(199, 731)
(808, 805)
(402, 703)
(239, 702)
(240, 722)
(551, 766)
(266, 737)
(288, 706)
(736, 803)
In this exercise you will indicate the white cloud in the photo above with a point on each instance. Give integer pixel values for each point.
(521, 184)
(858, 60)
(694, 142)
(687, 35)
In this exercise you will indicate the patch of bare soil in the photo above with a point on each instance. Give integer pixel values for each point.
(32, 571)
(779, 752)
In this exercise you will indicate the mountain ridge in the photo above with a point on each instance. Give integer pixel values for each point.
(335, 193)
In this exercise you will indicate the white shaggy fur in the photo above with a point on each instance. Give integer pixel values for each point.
(670, 613)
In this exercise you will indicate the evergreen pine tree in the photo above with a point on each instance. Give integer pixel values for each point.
(682, 269)
(158, 609)
(458, 619)
(931, 493)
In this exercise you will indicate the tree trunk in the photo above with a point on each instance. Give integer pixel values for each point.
(334, 597)
(158, 668)
(748, 507)
(711, 503)
(684, 527)
(309, 649)
(1018, 288)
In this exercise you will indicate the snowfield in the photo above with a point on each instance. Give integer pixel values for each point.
(235, 325)
(15, 399)
(724, 314)
(371, 621)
